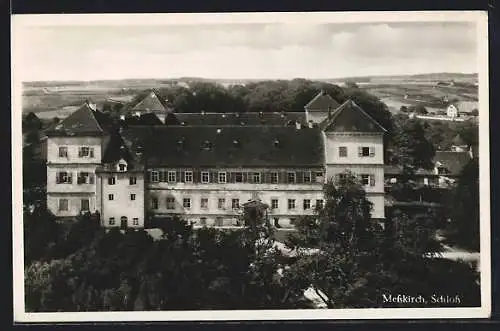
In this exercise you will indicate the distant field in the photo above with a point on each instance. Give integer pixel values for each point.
(51, 99)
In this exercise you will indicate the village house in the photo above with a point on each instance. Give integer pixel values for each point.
(205, 166)
(461, 108)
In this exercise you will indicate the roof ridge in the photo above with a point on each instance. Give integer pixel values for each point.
(95, 119)
(368, 115)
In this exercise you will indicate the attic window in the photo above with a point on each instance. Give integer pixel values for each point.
(223, 115)
(276, 143)
(236, 143)
(219, 131)
(203, 112)
(261, 114)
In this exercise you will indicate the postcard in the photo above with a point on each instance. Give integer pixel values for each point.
(250, 166)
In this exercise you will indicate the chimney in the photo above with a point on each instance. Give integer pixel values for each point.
(297, 125)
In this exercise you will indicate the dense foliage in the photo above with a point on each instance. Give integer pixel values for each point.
(359, 262)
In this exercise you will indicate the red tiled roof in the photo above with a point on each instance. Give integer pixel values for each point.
(349, 117)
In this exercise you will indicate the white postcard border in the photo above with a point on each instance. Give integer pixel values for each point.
(480, 17)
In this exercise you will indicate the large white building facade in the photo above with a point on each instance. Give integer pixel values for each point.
(204, 167)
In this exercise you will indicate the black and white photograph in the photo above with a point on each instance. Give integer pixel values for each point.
(250, 166)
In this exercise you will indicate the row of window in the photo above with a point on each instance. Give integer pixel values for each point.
(111, 197)
(363, 151)
(132, 180)
(65, 177)
(64, 204)
(235, 203)
(223, 177)
(366, 179)
(124, 221)
(83, 151)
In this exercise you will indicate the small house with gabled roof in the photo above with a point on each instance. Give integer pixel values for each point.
(320, 107)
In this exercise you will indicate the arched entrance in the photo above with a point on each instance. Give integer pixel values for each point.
(123, 222)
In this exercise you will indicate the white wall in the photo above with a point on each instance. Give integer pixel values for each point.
(121, 205)
(353, 142)
(73, 143)
(316, 116)
(243, 192)
(378, 210)
(74, 187)
(368, 169)
(74, 203)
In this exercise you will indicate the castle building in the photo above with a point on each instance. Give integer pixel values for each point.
(203, 167)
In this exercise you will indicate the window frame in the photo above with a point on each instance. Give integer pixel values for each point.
(235, 203)
(132, 196)
(186, 205)
(203, 205)
(362, 179)
(236, 175)
(132, 180)
(111, 197)
(87, 202)
(154, 203)
(170, 203)
(221, 206)
(256, 177)
(291, 204)
(172, 176)
(288, 177)
(342, 151)
(135, 221)
(207, 174)
(60, 204)
(319, 203)
(111, 221)
(224, 175)
(154, 174)
(111, 180)
(309, 177)
(273, 205)
(274, 180)
(186, 173)
(306, 204)
(61, 149)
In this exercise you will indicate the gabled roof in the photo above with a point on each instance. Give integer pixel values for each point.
(83, 121)
(322, 102)
(118, 149)
(248, 118)
(454, 162)
(229, 146)
(153, 101)
(143, 119)
(349, 117)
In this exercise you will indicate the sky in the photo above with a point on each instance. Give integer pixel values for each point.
(250, 50)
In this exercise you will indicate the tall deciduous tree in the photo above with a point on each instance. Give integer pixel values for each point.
(413, 150)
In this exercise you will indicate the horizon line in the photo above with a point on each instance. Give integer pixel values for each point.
(250, 78)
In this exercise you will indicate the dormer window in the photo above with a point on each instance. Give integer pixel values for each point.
(236, 143)
(219, 131)
(122, 165)
(207, 145)
(276, 143)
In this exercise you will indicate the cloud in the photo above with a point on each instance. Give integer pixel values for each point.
(247, 50)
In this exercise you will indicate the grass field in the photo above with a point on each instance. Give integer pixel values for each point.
(51, 99)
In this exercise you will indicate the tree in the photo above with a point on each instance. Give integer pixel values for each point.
(413, 150)
(346, 238)
(464, 228)
(357, 261)
(418, 109)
